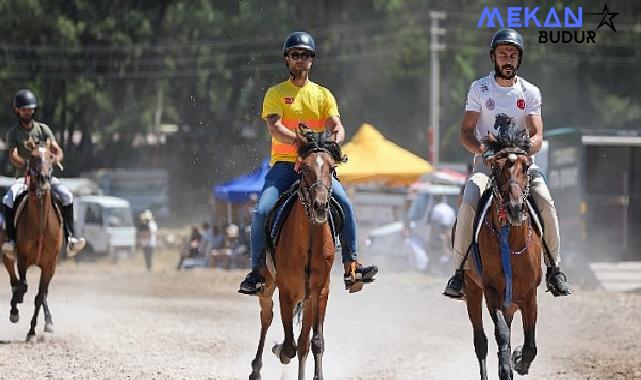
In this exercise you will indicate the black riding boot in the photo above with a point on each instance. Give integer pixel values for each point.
(9, 216)
(73, 243)
(454, 288)
(557, 282)
(253, 283)
(9, 247)
(67, 217)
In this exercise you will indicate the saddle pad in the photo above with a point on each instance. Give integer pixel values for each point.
(21, 202)
(282, 208)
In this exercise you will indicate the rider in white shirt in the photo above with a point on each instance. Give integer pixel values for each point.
(494, 102)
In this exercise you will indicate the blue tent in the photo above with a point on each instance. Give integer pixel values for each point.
(241, 188)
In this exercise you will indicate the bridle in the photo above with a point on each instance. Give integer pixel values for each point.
(305, 189)
(34, 172)
(511, 154)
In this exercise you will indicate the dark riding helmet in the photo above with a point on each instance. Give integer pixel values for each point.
(300, 40)
(507, 36)
(24, 99)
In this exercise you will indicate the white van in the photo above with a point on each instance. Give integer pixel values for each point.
(107, 224)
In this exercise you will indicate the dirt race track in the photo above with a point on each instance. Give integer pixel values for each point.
(117, 321)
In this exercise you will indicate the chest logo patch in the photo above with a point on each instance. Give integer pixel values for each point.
(503, 123)
(489, 104)
(289, 100)
(521, 104)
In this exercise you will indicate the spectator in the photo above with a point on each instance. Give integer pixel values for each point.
(147, 231)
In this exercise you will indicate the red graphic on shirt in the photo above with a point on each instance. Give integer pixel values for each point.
(521, 104)
(289, 100)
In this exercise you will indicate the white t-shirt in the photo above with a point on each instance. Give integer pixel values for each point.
(443, 214)
(502, 106)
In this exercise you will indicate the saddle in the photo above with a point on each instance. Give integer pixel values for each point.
(278, 214)
(21, 201)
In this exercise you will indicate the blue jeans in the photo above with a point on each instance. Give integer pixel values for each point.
(280, 178)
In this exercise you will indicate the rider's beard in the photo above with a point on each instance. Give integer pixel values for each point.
(297, 72)
(499, 71)
(26, 120)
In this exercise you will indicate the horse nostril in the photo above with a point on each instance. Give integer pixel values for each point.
(320, 206)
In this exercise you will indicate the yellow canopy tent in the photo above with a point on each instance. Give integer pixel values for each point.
(372, 158)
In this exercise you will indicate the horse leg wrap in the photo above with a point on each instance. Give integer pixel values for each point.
(21, 289)
(318, 344)
(480, 344)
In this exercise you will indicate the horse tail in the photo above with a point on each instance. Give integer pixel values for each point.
(298, 312)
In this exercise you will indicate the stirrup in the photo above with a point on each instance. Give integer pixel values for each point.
(9, 250)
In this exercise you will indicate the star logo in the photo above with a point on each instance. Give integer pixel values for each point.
(606, 18)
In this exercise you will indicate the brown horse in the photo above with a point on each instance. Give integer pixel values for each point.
(303, 261)
(509, 241)
(38, 236)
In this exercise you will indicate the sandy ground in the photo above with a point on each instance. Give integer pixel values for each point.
(118, 321)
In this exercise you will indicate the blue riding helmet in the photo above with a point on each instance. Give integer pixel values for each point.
(300, 40)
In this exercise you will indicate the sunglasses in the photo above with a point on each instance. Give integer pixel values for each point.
(304, 55)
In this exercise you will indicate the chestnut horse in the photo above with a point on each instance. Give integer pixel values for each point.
(302, 261)
(508, 260)
(38, 236)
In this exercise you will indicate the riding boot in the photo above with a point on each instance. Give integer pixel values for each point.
(9, 246)
(557, 282)
(454, 288)
(253, 283)
(356, 275)
(73, 244)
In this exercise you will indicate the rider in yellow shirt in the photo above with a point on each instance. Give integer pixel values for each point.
(286, 105)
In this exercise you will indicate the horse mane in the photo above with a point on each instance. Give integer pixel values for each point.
(509, 138)
(316, 142)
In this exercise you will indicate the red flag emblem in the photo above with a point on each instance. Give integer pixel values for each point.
(289, 100)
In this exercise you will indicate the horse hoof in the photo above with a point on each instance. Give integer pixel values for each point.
(31, 338)
(48, 327)
(14, 318)
(278, 351)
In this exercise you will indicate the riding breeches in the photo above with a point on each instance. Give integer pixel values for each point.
(475, 186)
(60, 192)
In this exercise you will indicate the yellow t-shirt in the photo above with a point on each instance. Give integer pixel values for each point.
(311, 105)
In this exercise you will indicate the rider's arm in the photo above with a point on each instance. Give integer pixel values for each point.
(533, 120)
(15, 159)
(334, 126)
(279, 131)
(467, 138)
(534, 125)
(57, 151)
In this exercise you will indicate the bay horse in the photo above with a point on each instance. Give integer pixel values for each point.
(303, 259)
(508, 260)
(39, 235)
